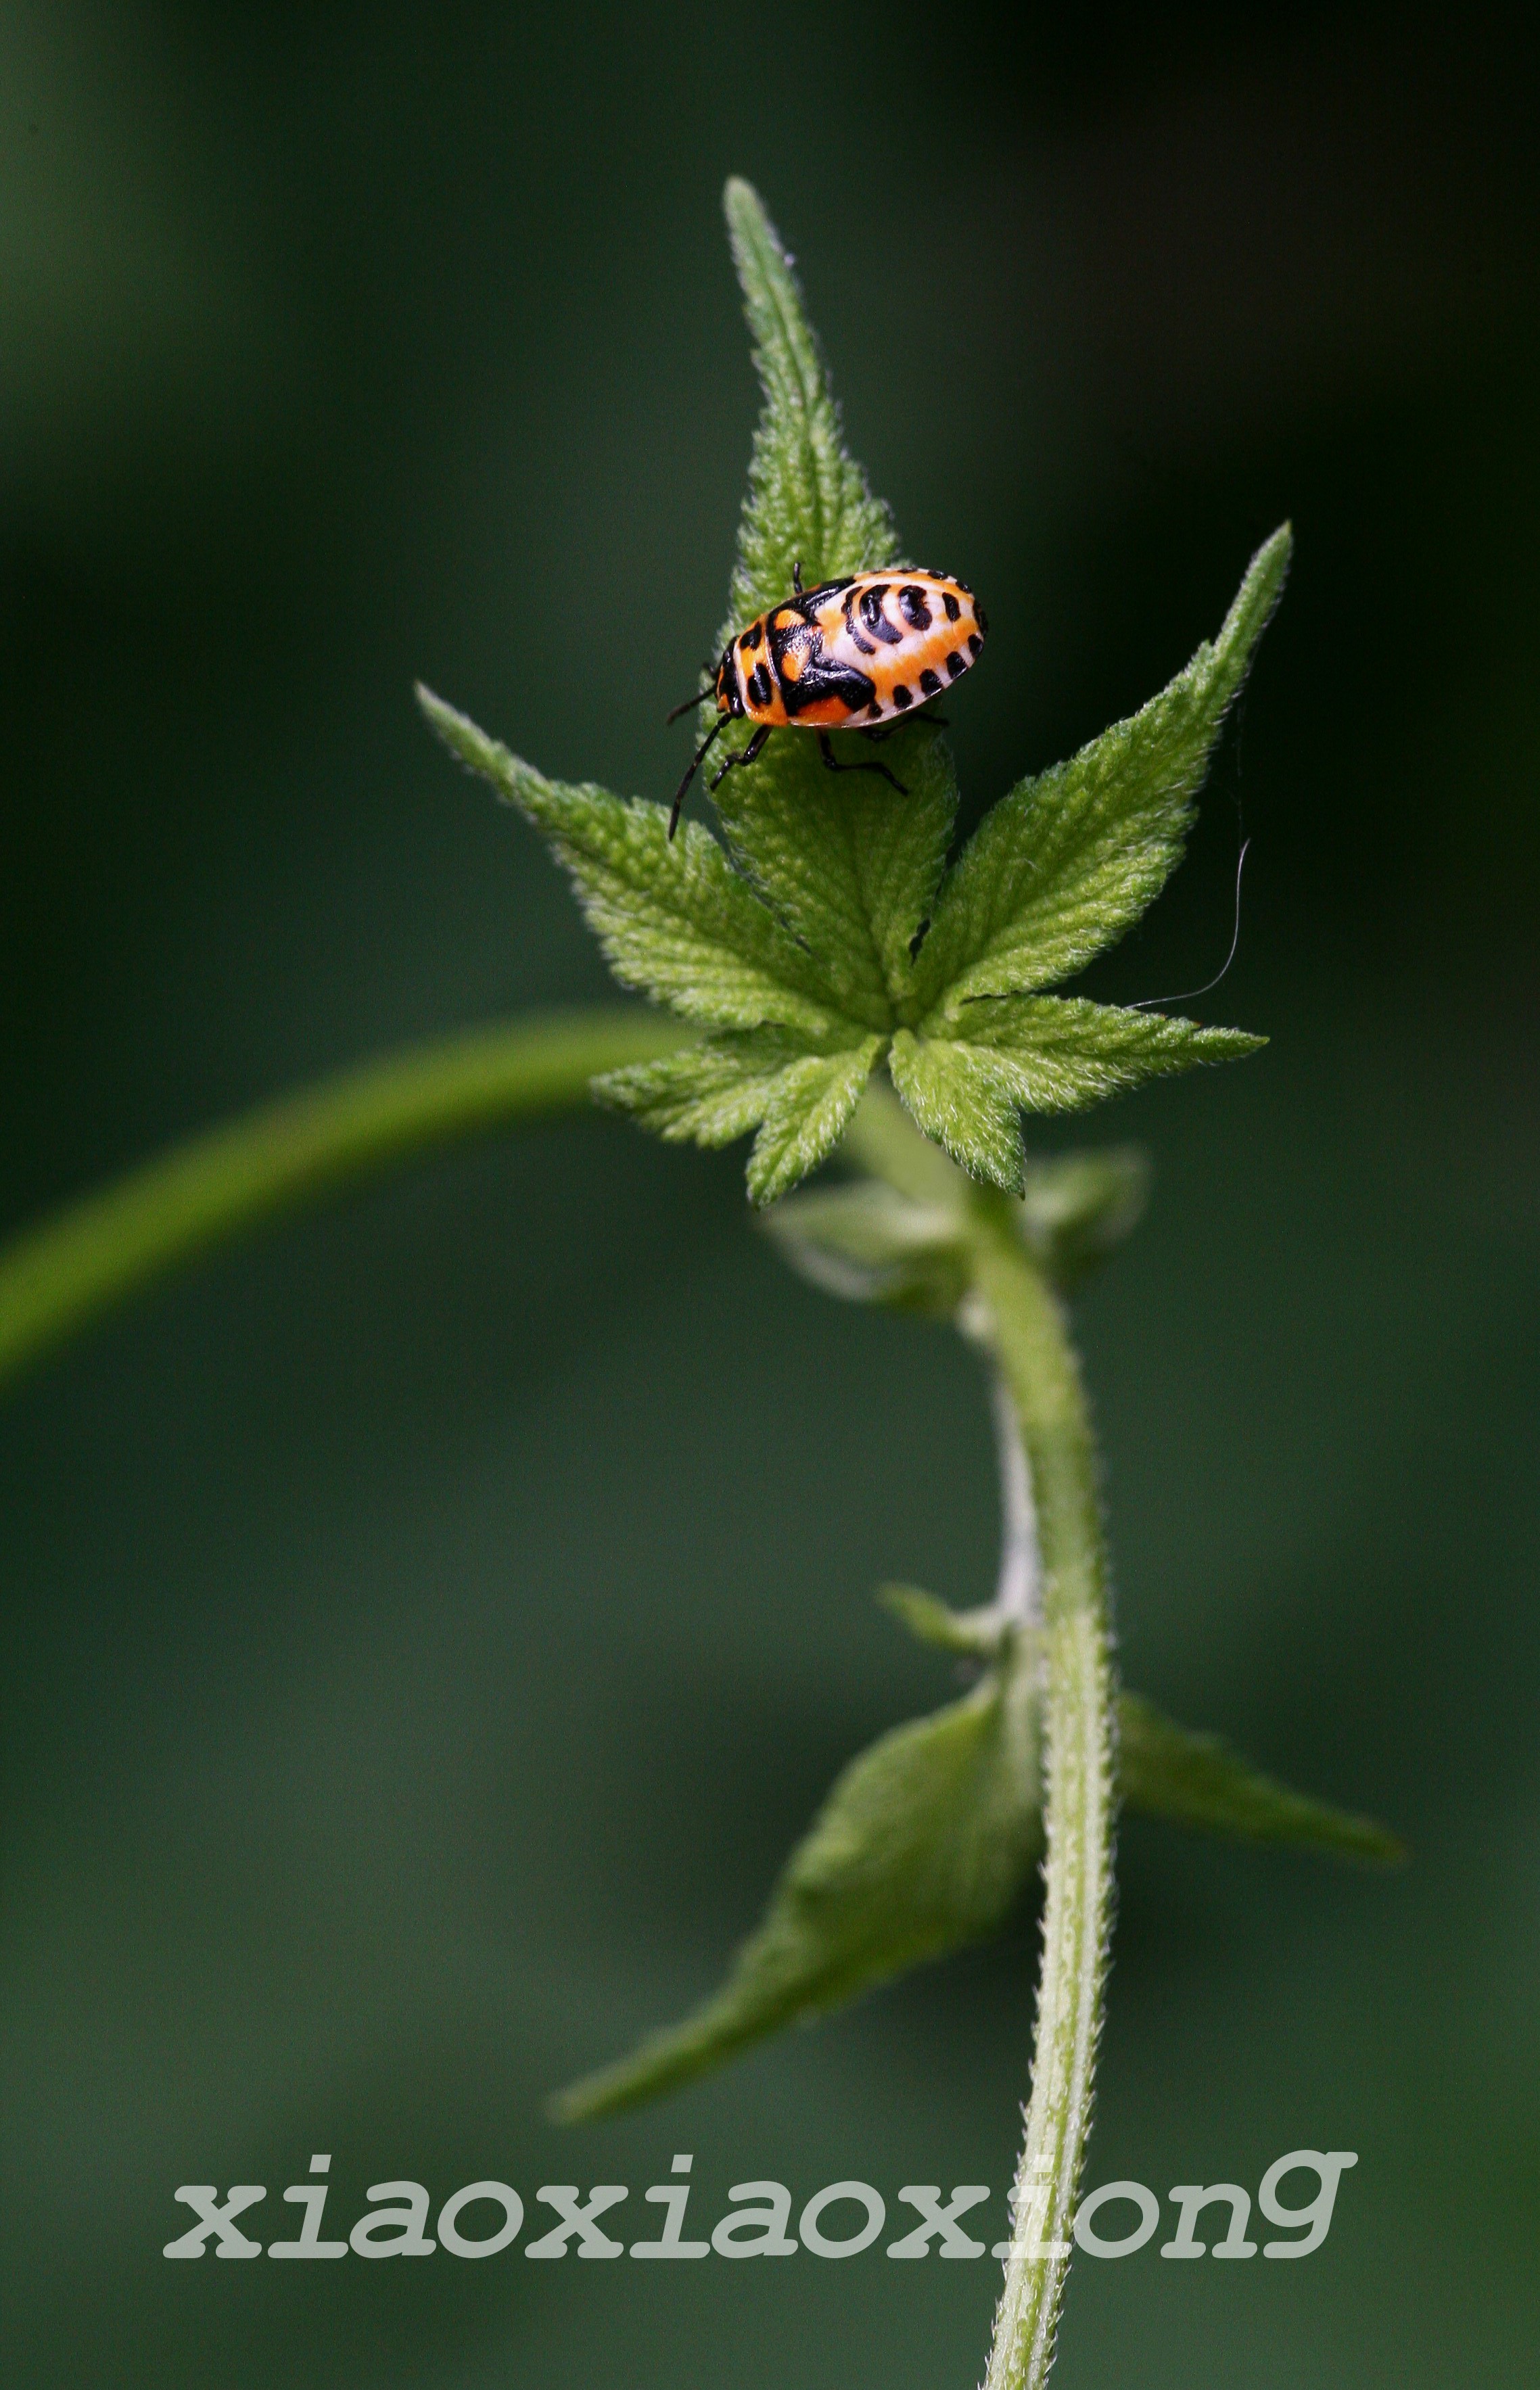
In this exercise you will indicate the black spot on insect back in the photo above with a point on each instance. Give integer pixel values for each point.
(974, 643)
(930, 682)
(902, 697)
(979, 615)
(858, 639)
(952, 609)
(822, 677)
(762, 689)
(912, 606)
(874, 618)
(955, 664)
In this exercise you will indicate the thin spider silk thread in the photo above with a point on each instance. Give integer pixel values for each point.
(1155, 1003)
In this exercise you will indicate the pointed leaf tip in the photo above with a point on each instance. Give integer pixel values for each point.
(924, 1844)
(1253, 609)
(851, 866)
(967, 1085)
(806, 1117)
(962, 1105)
(744, 210)
(1067, 861)
(675, 919)
(808, 500)
(468, 745)
(797, 1096)
(1197, 1780)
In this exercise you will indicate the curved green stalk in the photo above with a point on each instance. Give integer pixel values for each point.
(55, 1278)
(1011, 1309)
(1015, 1311)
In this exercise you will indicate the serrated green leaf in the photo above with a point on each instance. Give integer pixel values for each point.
(709, 1094)
(814, 935)
(1063, 864)
(809, 1105)
(1041, 1054)
(1058, 1053)
(963, 1102)
(808, 499)
(849, 864)
(1197, 1780)
(676, 921)
(869, 1243)
(923, 1844)
(799, 1101)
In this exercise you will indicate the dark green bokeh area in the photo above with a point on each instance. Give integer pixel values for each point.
(426, 1629)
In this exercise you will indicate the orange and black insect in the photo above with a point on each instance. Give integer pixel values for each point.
(855, 654)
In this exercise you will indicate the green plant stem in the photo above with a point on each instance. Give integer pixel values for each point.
(1016, 1312)
(56, 1278)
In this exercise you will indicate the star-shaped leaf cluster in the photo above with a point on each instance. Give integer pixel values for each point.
(824, 934)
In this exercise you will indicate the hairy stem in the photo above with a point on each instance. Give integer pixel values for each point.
(110, 1244)
(1041, 1412)
(1023, 1323)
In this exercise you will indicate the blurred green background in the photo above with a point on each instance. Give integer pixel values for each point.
(425, 1628)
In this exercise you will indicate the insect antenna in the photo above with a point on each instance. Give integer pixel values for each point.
(696, 761)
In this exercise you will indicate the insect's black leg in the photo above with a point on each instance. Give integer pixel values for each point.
(746, 755)
(877, 731)
(720, 724)
(797, 576)
(833, 764)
